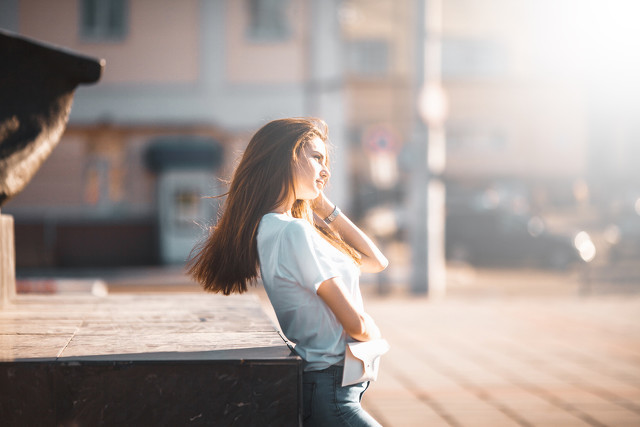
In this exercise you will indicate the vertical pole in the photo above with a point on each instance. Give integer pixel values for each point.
(417, 197)
(325, 91)
(427, 189)
(434, 113)
(7, 261)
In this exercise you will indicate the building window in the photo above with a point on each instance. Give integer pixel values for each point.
(368, 58)
(103, 20)
(96, 190)
(462, 58)
(187, 202)
(463, 138)
(268, 20)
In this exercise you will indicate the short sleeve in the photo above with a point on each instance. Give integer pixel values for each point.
(305, 256)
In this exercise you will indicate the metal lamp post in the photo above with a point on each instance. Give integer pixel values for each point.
(426, 198)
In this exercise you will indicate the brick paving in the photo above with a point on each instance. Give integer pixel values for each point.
(535, 361)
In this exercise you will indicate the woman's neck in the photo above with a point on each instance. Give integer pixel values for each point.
(281, 212)
(283, 208)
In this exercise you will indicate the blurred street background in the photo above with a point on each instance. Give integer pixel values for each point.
(491, 147)
(500, 133)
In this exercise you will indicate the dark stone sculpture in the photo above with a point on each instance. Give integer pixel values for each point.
(37, 82)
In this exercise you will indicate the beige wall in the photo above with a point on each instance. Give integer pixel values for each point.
(60, 180)
(544, 129)
(513, 23)
(265, 62)
(102, 168)
(538, 111)
(161, 46)
(546, 39)
(389, 20)
(381, 100)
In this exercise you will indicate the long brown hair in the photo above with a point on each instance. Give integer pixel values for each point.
(228, 259)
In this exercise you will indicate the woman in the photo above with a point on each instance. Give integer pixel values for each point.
(278, 220)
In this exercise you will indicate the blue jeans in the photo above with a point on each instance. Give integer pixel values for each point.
(327, 403)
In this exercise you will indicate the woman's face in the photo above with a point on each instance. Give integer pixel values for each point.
(311, 173)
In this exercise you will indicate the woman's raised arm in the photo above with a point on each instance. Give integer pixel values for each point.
(373, 260)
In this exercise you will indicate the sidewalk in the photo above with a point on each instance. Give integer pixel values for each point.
(507, 362)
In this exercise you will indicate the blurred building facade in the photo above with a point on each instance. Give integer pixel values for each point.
(541, 103)
(212, 71)
(541, 93)
(379, 41)
(510, 121)
(518, 119)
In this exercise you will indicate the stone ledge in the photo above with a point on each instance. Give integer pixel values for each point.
(7, 261)
(145, 360)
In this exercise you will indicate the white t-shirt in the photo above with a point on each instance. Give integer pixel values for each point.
(294, 261)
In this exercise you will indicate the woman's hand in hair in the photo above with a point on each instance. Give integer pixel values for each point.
(373, 261)
(322, 206)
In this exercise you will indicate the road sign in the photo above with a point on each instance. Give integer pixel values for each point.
(380, 139)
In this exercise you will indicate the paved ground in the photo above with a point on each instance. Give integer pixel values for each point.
(504, 361)
(502, 348)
